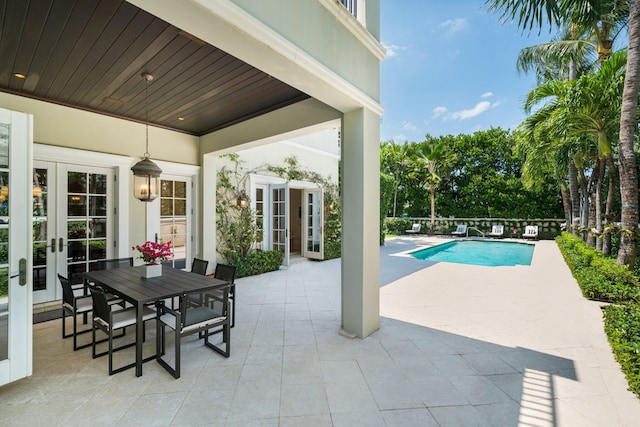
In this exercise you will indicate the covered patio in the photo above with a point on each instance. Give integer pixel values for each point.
(227, 75)
(457, 345)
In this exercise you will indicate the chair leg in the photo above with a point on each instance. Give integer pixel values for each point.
(110, 351)
(233, 309)
(177, 352)
(64, 318)
(93, 341)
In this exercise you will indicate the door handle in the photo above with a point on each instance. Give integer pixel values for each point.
(22, 272)
(53, 245)
(61, 245)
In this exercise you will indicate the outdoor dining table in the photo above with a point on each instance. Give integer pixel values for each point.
(130, 285)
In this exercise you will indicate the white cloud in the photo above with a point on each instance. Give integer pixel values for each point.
(480, 108)
(438, 111)
(392, 49)
(399, 139)
(408, 126)
(486, 95)
(452, 26)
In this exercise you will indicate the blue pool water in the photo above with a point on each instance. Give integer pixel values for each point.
(479, 252)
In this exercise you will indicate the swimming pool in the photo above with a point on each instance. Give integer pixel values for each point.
(479, 252)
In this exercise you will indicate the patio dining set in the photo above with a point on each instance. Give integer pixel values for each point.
(119, 296)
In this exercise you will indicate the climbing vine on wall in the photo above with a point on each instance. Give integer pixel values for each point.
(236, 226)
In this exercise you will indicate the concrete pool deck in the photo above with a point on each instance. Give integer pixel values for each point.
(458, 345)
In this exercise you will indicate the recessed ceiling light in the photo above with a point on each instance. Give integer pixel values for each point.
(114, 100)
(20, 75)
(181, 119)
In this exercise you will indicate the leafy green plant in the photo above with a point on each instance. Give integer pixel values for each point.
(622, 325)
(236, 225)
(256, 262)
(387, 187)
(598, 276)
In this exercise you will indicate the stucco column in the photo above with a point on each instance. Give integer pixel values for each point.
(208, 197)
(360, 223)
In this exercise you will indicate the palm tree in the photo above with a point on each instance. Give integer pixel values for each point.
(565, 57)
(601, 16)
(394, 160)
(431, 155)
(588, 109)
(627, 158)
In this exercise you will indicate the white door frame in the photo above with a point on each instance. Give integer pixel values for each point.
(19, 362)
(191, 175)
(315, 230)
(281, 213)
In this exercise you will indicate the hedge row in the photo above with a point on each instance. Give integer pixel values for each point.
(599, 277)
(622, 325)
(257, 262)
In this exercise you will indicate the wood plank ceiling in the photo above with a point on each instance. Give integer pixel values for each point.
(90, 54)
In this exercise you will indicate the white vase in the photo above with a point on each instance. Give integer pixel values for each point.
(152, 271)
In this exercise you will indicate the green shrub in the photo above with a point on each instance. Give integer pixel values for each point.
(622, 325)
(598, 276)
(398, 225)
(387, 185)
(256, 262)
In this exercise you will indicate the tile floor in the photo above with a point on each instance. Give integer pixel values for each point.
(457, 346)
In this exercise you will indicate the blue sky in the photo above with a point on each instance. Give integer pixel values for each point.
(450, 68)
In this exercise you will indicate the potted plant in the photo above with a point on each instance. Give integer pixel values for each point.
(154, 254)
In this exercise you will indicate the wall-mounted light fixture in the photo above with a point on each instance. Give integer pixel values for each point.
(242, 200)
(146, 174)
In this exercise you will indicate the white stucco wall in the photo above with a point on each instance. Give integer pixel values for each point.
(317, 152)
(61, 126)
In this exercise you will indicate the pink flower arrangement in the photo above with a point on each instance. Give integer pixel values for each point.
(153, 253)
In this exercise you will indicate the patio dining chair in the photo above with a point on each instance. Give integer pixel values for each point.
(190, 319)
(198, 266)
(109, 321)
(74, 305)
(228, 273)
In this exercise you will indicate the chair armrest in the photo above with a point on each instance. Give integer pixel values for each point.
(220, 294)
(162, 309)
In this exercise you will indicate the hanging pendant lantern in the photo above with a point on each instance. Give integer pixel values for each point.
(146, 174)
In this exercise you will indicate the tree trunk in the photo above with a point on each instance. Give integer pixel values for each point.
(627, 158)
(566, 204)
(574, 193)
(584, 208)
(598, 203)
(611, 192)
(433, 208)
(395, 199)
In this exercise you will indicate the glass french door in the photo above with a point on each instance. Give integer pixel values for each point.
(280, 220)
(85, 219)
(44, 242)
(313, 238)
(72, 224)
(174, 219)
(16, 145)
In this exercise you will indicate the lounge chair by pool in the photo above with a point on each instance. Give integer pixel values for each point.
(461, 230)
(530, 232)
(415, 229)
(496, 231)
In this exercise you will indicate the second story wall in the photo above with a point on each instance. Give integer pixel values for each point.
(329, 33)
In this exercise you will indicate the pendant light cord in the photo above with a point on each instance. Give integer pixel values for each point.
(146, 119)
